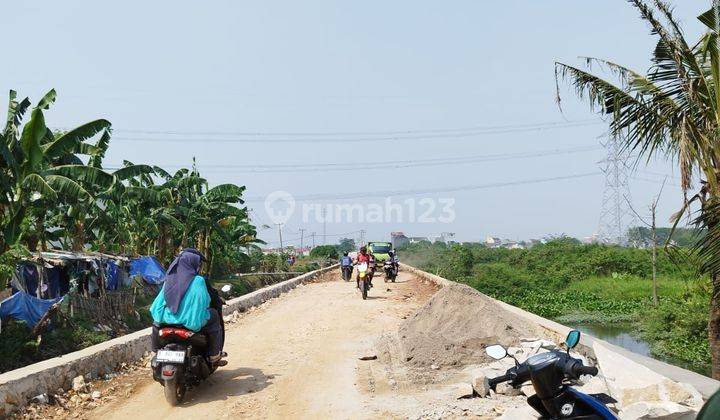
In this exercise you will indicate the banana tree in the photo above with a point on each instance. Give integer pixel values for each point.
(671, 110)
(36, 167)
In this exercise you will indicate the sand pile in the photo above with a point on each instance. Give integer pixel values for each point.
(455, 325)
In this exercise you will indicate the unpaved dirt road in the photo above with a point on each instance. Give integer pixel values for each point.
(294, 357)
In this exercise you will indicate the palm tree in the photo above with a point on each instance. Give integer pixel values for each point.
(671, 110)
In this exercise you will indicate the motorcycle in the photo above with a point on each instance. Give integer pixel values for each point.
(390, 271)
(347, 272)
(363, 279)
(552, 375)
(180, 362)
(372, 268)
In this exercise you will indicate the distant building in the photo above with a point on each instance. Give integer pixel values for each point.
(398, 239)
(416, 239)
(493, 242)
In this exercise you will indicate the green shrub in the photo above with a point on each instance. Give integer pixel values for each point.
(324, 251)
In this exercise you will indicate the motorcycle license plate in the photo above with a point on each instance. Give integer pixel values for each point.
(170, 356)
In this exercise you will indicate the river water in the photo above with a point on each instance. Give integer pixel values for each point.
(621, 335)
(618, 334)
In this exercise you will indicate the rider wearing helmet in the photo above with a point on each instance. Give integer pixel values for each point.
(345, 261)
(362, 257)
(394, 259)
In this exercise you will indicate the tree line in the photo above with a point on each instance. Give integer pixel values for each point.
(55, 192)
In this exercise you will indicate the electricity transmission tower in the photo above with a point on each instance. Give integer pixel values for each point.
(615, 216)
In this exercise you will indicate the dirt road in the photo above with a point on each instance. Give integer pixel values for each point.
(294, 357)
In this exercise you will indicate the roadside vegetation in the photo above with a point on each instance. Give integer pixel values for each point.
(575, 283)
(56, 192)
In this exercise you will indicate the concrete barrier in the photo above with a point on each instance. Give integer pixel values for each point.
(590, 345)
(18, 386)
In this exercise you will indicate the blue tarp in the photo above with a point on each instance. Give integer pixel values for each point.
(149, 268)
(25, 307)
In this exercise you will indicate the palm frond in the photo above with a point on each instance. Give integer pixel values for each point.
(132, 171)
(36, 183)
(226, 193)
(32, 135)
(102, 146)
(86, 175)
(47, 99)
(70, 140)
(68, 188)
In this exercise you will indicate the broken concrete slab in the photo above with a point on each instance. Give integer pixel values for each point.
(664, 410)
(519, 413)
(481, 385)
(462, 390)
(594, 385)
(527, 390)
(504, 388)
(78, 384)
(630, 382)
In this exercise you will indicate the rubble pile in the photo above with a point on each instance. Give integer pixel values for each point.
(455, 325)
(85, 393)
(439, 353)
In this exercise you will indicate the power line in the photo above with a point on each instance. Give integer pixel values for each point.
(394, 137)
(395, 193)
(352, 166)
(353, 133)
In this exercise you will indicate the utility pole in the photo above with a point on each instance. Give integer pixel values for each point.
(302, 236)
(313, 239)
(362, 237)
(279, 225)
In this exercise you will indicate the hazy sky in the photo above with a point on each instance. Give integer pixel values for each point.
(181, 79)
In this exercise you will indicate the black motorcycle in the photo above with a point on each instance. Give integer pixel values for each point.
(551, 375)
(180, 362)
(347, 272)
(390, 271)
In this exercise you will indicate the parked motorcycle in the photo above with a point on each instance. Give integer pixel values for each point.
(347, 272)
(180, 362)
(363, 279)
(552, 375)
(390, 271)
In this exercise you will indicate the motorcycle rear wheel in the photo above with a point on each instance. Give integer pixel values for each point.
(364, 288)
(174, 392)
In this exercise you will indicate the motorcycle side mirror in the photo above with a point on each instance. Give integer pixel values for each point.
(496, 351)
(572, 340)
(226, 288)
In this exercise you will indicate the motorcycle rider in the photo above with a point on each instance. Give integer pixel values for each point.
(362, 257)
(394, 259)
(346, 263)
(185, 300)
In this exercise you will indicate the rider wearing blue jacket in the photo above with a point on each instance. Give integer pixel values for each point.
(346, 261)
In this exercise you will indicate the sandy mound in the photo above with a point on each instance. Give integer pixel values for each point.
(455, 325)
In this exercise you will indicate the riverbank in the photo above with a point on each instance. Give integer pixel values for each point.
(588, 285)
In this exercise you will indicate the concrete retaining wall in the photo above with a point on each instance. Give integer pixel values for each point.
(588, 345)
(20, 385)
